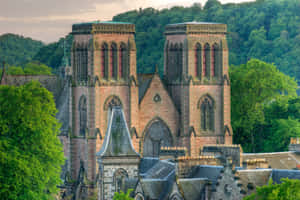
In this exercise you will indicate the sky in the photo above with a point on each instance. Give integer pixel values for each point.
(49, 20)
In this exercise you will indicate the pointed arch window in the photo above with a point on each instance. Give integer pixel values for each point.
(216, 55)
(119, 179)
(206, 61)
(123, 61)
(111, 102)
(104, 60)
(207, 114)
(198, 63)
(81, 63)
(114, 61)
(179, 61)
(82, 115)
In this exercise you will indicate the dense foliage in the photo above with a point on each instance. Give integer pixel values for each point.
(287, 190)
(17, 50)
(31, 154)
(266, 29)
(31, 68)
(123, 196)
(52, 54)
(264, 107)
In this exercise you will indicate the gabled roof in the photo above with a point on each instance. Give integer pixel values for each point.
(117, 141)
(144, 81)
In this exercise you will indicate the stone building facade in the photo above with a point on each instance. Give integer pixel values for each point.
(188, 107)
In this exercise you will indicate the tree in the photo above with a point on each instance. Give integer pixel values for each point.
(253, 86)
(287, 190)
(123, 196)
(36, 68)
(31, 154)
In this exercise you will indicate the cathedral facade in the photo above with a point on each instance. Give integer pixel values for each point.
(188, 106)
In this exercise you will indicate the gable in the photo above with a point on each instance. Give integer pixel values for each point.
(157, 103)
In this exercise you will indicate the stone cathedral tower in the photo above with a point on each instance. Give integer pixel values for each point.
(103, 76)
(196, 72)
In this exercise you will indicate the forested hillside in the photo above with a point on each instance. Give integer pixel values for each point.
(17, 50)
(267, 29)
(53, 53)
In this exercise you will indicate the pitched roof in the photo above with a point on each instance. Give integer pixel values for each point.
(192, 188)
(161, 170)
(253, 178)
(144, 81)
(277, 160)
(278, 174)
(209, 172)
(117, 141)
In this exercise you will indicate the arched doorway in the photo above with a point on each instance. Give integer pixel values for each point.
(157, 135)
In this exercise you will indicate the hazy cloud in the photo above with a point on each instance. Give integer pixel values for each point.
(47, 20)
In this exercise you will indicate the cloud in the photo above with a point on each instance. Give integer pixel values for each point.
(47, 20)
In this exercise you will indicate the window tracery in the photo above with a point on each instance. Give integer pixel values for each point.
(207, 114)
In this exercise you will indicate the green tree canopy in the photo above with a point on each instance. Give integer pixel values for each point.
(123, 196)
(31, 154)
(254, 86)
(30, 68)
(287, 190)
(36, 68)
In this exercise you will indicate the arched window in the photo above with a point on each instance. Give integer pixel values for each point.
(123, 61)
(104, 60)
(81, 63)
(206, 61)
(120, 176)
(111, 102)
(206, 105)
(216, 63)
(179, 62)
(114, 61)
(198, 63)
(82, 115)
(171, 62)
(157, 135)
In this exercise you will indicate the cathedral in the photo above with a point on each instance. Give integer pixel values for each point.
(165, 137)
(188, 107)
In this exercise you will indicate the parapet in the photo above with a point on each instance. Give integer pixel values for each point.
(103, 27)
(196, 28)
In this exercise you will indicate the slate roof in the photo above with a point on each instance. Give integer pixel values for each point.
(117, 141)
(147, 163)
(144, 82)
(208, 172)
(278, 174)
(254, 177)
(155, 188)
(161, 170)
(158, 179)
(193, 188)
(277, 160)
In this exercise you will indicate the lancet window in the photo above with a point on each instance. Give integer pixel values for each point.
(114, 61)
(206, 61)
(82, 115)
(207, 114)
(104, 61)
(198, 63)
(123, 66)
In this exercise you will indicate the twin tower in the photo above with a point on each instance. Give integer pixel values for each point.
(188, 107)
